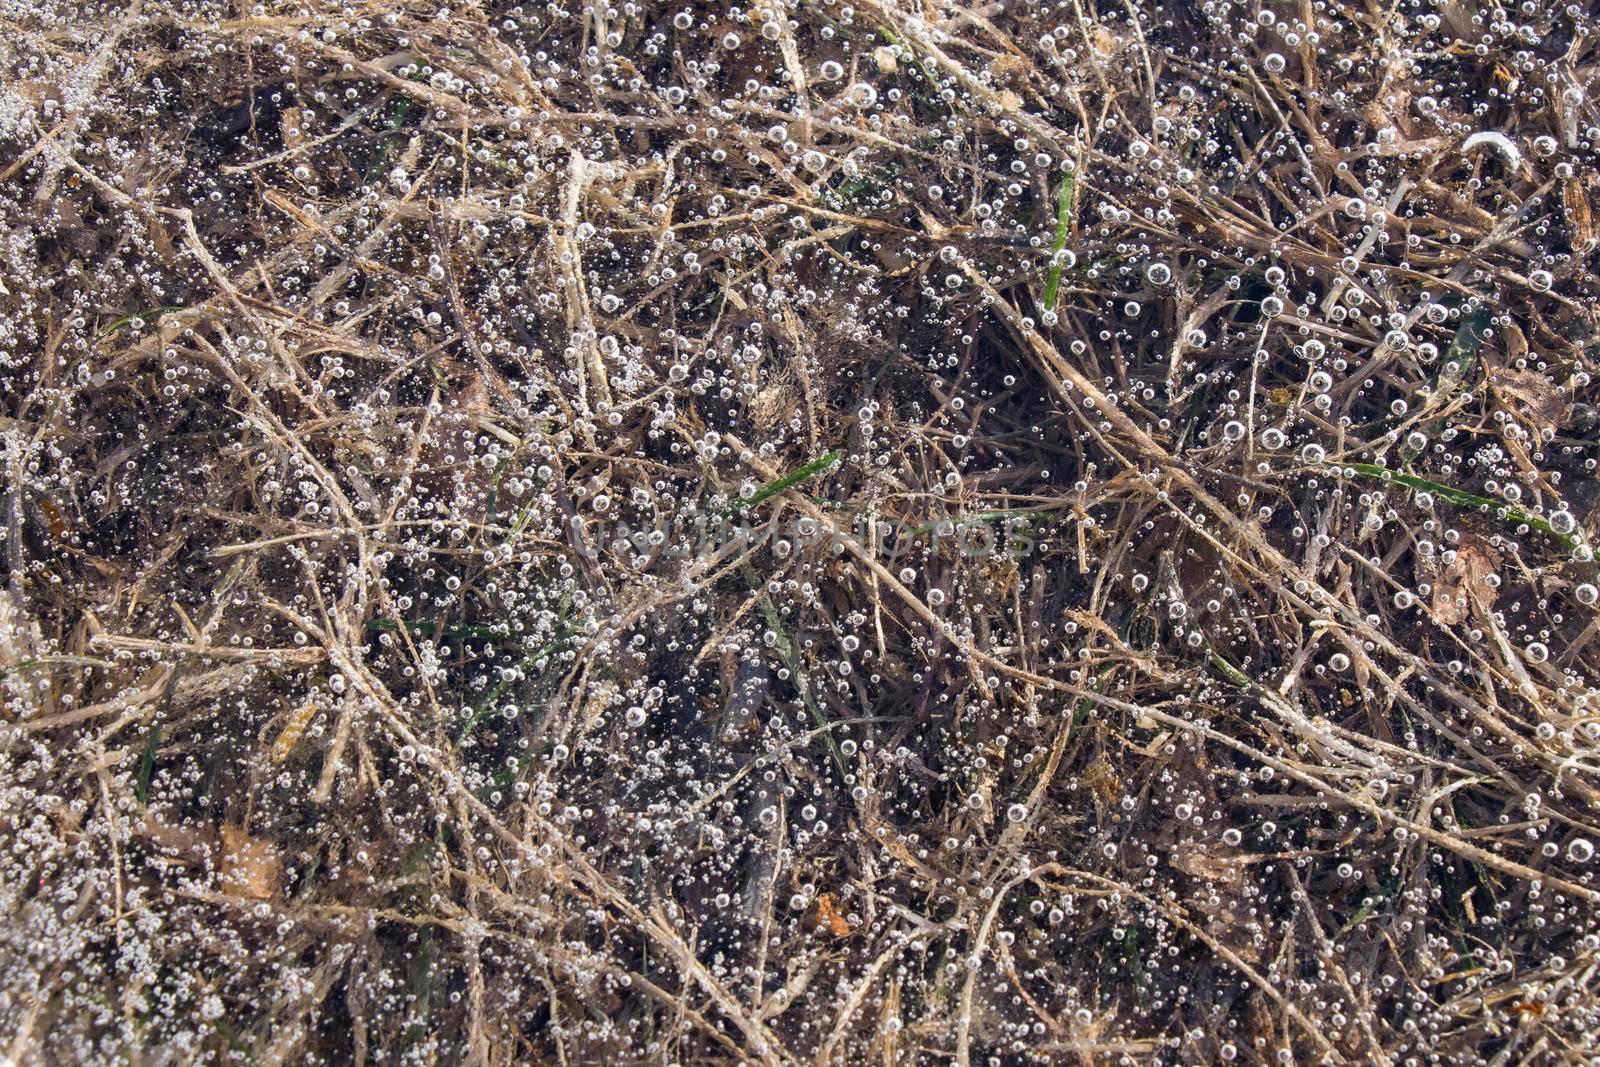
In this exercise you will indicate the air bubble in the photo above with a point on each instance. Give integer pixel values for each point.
(861, 95)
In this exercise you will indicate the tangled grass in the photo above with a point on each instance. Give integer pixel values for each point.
(838, 533)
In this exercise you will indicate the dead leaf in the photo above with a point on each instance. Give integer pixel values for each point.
(1515, 343)
(1224, 905)
(830, 917)
(1389, 113)
(1008, 69)
(1579, 215)
(250, 866)
(1465, 580)
(1218, 865)
(179, 844)
(1263, 1022)
(162, 241)
(296, 725)
(447, 465)
(1102, 779)
(773, 404)
(53, 518)
(19, 635)
(1001, 573)
(1535, 398)
(293, 127)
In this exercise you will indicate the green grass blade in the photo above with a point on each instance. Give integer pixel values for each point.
(50, 661)
(1462, 352)
(1064, 198)
(789, 481)
(150, 315)
(1508, 512)
(791, 659)
(486, 705)
(1229, 671)
(147, 765)
(1459, 357)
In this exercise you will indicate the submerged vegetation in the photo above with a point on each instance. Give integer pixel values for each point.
(871, 532)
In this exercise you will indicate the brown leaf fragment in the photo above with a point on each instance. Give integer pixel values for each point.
(773, 404)
(1009, 69)
(1579, 215)
(1534, 397)
(249, 866)
(294, 726)
(294, 125)
(830, 916)
(1211, 863)
(178, 844)
(1220, 873)
(1101, 778)
(447, 464)
(1465, 581)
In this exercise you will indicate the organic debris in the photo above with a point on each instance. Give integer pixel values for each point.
(778, 533)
